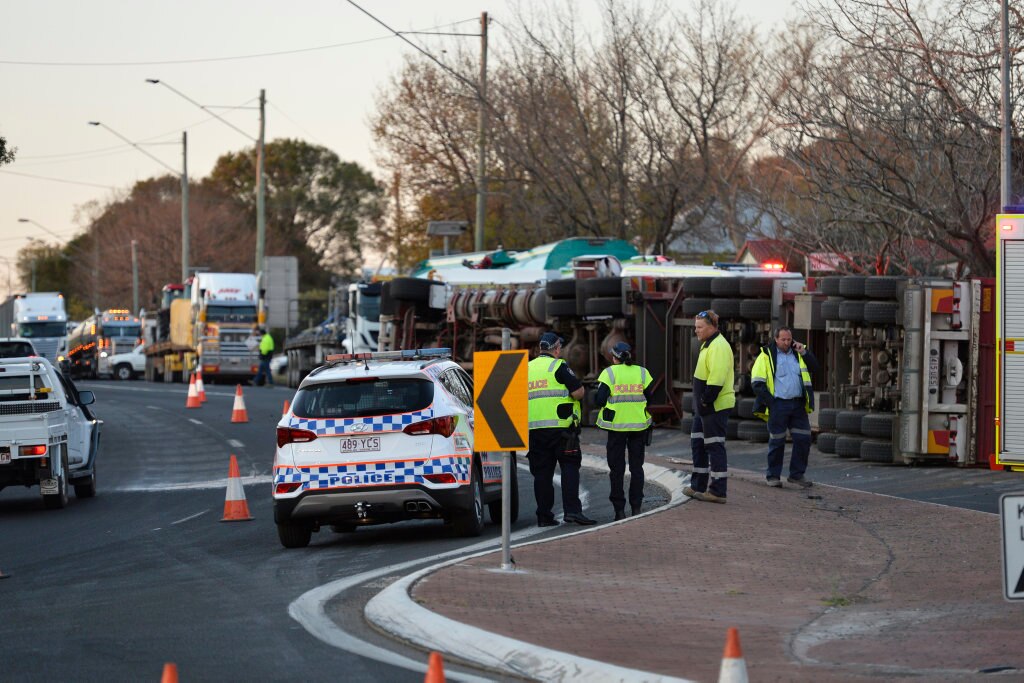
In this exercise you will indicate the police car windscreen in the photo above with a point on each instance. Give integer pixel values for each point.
(363, 398)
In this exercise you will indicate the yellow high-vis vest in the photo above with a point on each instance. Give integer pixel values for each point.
(627, 384)
(546, 393)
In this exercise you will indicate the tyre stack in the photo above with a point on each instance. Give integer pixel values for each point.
(561, 298)
(599, 297)
(864, 301)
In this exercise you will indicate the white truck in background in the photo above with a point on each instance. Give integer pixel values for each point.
(39, 317)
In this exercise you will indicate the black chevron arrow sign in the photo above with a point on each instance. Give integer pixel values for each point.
(490, 401)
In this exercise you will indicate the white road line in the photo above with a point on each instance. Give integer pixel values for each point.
(195, 421)
(154, 407)
(235, 443)
(185, 519)
(195, 485)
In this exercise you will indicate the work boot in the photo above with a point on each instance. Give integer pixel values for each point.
(709, 497)
(690, 493)
(547, 522)
(774, 482)
(634, 510)
(802, 483)
(579, 518)
(620, 514)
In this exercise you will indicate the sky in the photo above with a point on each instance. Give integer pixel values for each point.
(108, 48)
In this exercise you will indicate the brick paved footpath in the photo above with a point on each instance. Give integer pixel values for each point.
(843, 586)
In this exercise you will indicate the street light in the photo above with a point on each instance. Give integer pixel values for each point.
(261, 185)
(184, 188)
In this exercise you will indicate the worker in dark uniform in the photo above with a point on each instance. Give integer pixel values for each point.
(713, 399)
(622, 395)
(554, 413)
(781, 378)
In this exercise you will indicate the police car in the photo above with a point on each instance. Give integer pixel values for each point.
(375, 438)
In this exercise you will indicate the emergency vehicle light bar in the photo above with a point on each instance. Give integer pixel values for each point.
(409, 354)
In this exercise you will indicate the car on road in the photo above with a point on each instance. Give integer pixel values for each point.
(48, 435)
(376, 438)
(16, 347)
(124, 366)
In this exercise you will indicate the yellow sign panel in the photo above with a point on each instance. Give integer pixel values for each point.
(500, 401)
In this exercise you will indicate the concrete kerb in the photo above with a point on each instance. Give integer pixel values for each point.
(394, 611)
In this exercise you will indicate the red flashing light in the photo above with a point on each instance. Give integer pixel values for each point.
(772, 265)
(443, 478)
(287, 435)
(443, 426)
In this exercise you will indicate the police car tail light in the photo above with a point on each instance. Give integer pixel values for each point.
(287, 488)
(287, 435)
(445, 426)
(443, 478)
(39, 449)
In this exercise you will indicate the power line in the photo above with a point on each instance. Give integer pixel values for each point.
(60, 180)
(200, 60)
(296, 123)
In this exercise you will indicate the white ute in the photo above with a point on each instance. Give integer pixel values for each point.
(48, 435)
(124, 366)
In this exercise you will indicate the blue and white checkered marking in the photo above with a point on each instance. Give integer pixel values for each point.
(380, 423)
(318, 477)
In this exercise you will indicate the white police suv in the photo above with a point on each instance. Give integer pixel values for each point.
(374, 438)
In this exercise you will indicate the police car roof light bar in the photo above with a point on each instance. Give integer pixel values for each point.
(409, 354)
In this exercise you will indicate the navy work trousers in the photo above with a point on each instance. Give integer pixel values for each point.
(264, 371)
(788, 414)
(707, 442)
(548, 450)
(618, 442)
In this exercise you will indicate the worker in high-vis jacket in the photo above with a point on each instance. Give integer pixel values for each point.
(622, 395)
(554, 414)
(781, 379)
(713, 399)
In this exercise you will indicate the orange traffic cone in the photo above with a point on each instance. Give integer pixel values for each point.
(435, 669)
(734, 669)
(170, 673)
(235, 507)
(200, 389)
(238, 411)
(193, 396)
(287, 406)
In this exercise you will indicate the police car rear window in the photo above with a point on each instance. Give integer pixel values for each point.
(16, 350)
(363, 398)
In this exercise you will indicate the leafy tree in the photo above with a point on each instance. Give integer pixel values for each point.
(318, 208)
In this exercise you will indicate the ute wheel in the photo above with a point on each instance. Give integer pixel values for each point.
(494, 507)
(561, 308)
(470, 522)
(753, 430)
(692, 307)
(294, 534)
(561, 289)
(876, 451)
(410, 289)
(725, 286)
(756, 287)
(86, 488)
(603, 306)
(756, 309)
(56, 501)
(123, 372)
(827, 442)
(726, 308)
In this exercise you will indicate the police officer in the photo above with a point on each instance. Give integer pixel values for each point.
(781, 379)
(713, 399)
(266, 353)
(622, 395)
(554, 413)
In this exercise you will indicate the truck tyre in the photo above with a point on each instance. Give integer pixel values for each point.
(56, 501)
(757, 287)
(603, 306)
(753, 430)
(294, 534)
(732, 428)
(729, 309)
(538, 306)
(830, 309)
(600, 286)
(494, 507)
(697, 286)
(687, 402)
(756, 309)
(852, 311)
(852, 286)
(410, 289)
(561, 289)
(124, 372)
(829, 286)
(882, 312)
(883, 286)
(849, 446)
(850, 421)
(876, 451)
(827, 418)
(827, 442)
(470, 522)
(387, 302)
(686, 424)
(878, 425)
(725, 286)
(561, 308)
(692, 307)
(745, 408)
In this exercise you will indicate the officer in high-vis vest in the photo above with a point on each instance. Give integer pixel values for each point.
(781, 379)
(713, 400)
(622, 395)
(554, 413)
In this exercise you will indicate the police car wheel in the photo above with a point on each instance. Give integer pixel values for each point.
(294, 534)
(56, 501)
(470, 521)
(494, 507)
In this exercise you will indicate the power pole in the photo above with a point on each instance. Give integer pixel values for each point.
(184, 207)
(481, 162)
(261, 217)
(1006, 187)
(135, 278)
(33, 274)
